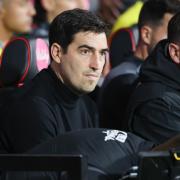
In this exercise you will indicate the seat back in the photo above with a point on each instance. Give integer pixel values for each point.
(47, 166)
(114, 101)
(122, 43)
(14, 166)
(22, 59)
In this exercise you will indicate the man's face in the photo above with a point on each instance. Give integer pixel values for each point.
(17, 15)
(81, 66)
(63, 5)
(159, 32)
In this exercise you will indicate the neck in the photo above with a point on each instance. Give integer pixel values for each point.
(56, 71)
(141, 51)
(50, 17)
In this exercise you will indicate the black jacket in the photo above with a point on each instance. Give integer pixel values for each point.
(43, 109)
(154, 108)
(109, 151)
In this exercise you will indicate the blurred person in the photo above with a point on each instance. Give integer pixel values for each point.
(110, 10)
(84, 4)
(154, 28)
(48, 9)
(55, 7)
(154, 108)
(55, 101)
(16, 16)
(129, 17)
(120, 82)
(124, 34)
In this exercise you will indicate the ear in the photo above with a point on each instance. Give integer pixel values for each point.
(146, 33)
(174, 52)
(48, 5)
(56, 52)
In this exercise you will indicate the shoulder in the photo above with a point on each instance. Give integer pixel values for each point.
(130, 66)
(32, 108)
(39, 90)
(156, 93)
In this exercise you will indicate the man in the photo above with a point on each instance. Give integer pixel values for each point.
(153, 21)
(54, 101)
(16, 17)
(154, 109)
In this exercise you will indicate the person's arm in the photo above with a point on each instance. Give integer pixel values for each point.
(29, 123)
(156, 120)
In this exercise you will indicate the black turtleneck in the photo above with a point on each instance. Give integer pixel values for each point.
(43, 109)
(154, 108)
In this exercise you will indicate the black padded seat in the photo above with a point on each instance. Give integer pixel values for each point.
(22, 59)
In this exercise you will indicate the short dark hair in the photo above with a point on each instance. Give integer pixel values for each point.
(174, 28)
(153, 11)
(68, 23)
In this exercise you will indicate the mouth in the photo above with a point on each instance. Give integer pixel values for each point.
(92, 76)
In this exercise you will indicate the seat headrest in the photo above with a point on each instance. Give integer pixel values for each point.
(122, 43)
(22, 59)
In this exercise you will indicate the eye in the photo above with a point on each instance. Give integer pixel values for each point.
(85, 51)
(103, 53)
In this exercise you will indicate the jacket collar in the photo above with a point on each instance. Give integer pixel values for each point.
(159, 67)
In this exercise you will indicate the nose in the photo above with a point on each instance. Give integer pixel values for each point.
(32, 10)
(95, 62)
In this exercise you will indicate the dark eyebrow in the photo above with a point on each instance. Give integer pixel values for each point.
(86, 46)
(105, 50)
(92, 48)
